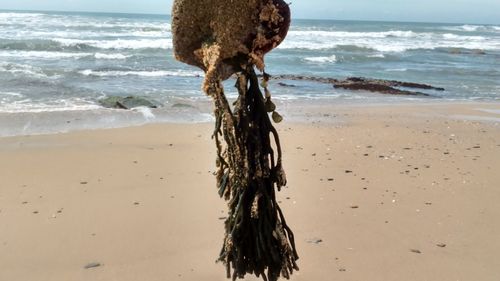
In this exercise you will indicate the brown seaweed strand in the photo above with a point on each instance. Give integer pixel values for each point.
(257, 240)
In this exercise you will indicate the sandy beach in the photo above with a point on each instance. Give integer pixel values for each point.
(407, 192)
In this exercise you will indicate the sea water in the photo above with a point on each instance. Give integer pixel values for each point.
(54, 67)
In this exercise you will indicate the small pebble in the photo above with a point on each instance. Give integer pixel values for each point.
(314, 241)
(92, 265)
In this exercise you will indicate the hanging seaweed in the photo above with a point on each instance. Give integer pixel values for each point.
(226, 37)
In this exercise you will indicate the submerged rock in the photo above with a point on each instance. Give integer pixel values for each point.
(184, 106)
(128, 102)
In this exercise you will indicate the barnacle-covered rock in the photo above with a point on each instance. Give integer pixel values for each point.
(238, 28)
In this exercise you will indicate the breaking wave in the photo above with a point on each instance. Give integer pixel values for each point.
(156, 73)
(330, 59)
(390, 41)
(473, 28)
(24, 70)
(117, 44)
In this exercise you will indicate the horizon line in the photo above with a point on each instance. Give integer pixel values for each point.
(313, 19)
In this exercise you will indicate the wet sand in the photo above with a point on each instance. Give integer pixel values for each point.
(375, 193)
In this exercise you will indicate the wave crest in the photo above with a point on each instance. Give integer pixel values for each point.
(330, 59)
(390, 41)
(155, 73)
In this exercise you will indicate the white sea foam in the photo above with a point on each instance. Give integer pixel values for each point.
(396, 69)
(472, 28)
(139, 26)
(61, 55)
(377, 56)
(111, 56)
(468, 27)
(11, 94)
(347, 34)
(24, 69)
(119, 43)
(28, 105)
(76, 21)
(8, 16)
(451, 36)
(391, 41)
(43, 54)
(146, 112)
(157, 73)
(330, 59)
(15, 34)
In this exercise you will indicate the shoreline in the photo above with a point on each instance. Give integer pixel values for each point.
(295, 112)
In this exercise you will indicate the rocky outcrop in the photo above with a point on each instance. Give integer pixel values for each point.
(128, 102)
(389, 87)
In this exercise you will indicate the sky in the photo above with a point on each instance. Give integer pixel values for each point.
(453, 11)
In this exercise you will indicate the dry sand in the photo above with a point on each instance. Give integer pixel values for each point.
(375, 193)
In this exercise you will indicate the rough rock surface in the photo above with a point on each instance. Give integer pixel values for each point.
(258, 27)
(193, 26)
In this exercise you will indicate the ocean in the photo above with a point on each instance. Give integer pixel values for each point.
(55, 67)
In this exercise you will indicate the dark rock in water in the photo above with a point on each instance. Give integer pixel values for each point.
(379, 86)
(286, 85)
(390, 87)
(393, 83)
(478, 52)
(183, 105)
(128, 102)
(458, 51)
(304, 78)
(455, 51)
